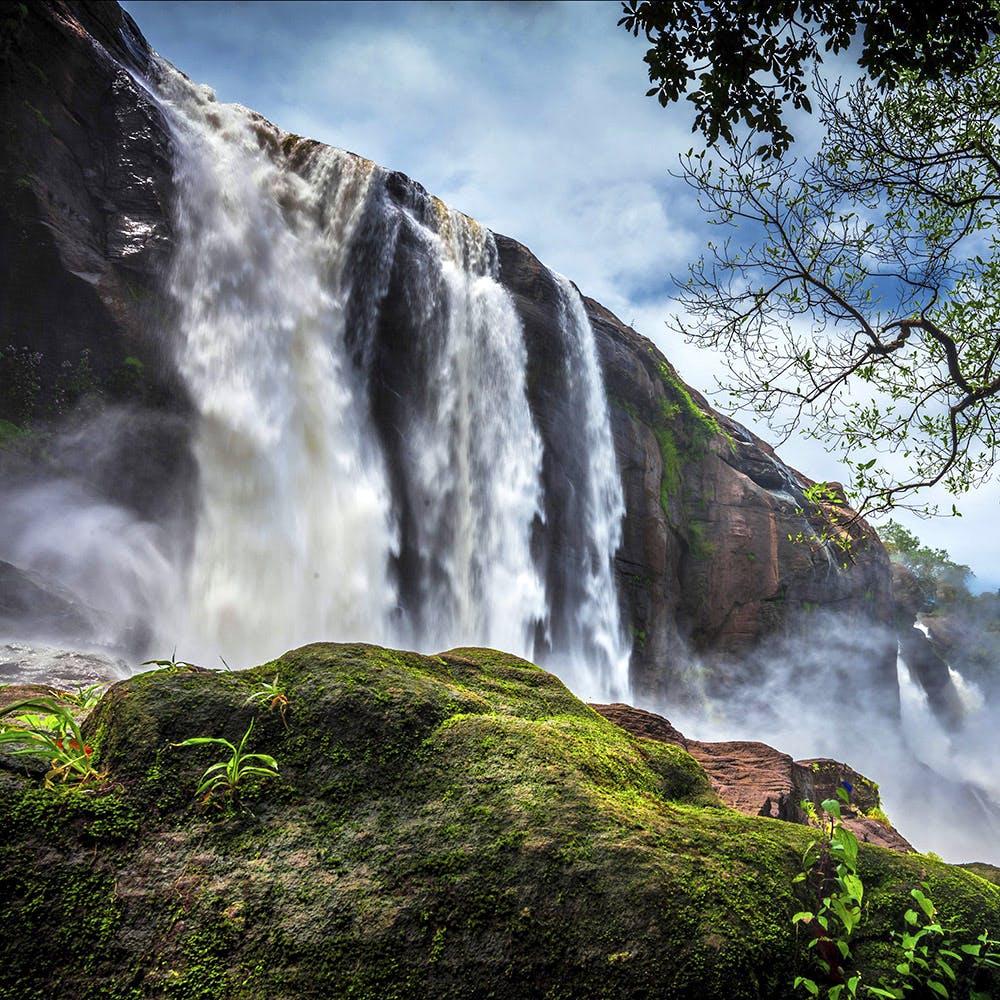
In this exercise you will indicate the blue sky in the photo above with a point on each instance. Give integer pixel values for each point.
(531, 117)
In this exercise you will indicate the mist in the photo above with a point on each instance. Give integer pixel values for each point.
(817, 693)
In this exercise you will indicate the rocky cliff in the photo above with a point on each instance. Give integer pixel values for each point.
(721, 546)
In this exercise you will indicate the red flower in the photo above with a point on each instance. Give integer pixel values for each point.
(88, 750)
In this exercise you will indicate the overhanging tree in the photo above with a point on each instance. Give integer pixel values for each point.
(748, 58)
(858, 294)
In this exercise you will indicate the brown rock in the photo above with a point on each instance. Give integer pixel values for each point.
(757, 780)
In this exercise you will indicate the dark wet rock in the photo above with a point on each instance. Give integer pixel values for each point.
(85, 187)
(30, 605)
(66, 669)
(907, 594)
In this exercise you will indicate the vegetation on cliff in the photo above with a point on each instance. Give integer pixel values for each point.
(450, 826)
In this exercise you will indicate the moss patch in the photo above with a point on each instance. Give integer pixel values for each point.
(450, 826)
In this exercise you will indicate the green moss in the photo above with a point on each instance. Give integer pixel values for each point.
(698, 545)
(683, 433)
(625, 406)
(450, 826)
(638, 638)
(289, 142)
(672, 464)
(878, 814)
(10, 433)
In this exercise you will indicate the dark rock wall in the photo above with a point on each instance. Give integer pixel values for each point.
(85, 188)
(719, 547)
(85, 235)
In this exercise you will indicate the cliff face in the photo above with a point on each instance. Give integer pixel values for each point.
(721, 547)
(86, 192)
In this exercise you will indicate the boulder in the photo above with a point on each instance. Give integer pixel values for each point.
(456, 826)
(757, 780)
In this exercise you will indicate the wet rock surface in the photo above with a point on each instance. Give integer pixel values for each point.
(67, 669)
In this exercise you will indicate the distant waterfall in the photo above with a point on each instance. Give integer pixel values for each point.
(370, 467)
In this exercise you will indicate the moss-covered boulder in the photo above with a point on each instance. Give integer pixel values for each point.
(442, 826)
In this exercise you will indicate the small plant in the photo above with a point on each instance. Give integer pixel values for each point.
(271, 694)
(173, 664)
(831, 861)
(46, 727)
(937, 960)
(84, 698)
(225, 778)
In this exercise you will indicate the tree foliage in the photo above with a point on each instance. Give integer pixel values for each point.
(748, 58)
(858, 290)
(944, 582)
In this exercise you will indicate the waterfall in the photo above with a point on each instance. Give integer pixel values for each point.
(294, 524)
(370, 466)
(592, 625)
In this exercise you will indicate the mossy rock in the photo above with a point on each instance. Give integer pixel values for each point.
(442, 826)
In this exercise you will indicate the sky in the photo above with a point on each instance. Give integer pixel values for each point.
(532, 118)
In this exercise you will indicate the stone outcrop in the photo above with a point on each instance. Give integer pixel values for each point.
(721, 546)
(33, 668)
(455, 826)
(757, 780)
(85, 191)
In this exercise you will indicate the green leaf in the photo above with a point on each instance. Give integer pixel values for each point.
(270, 761)
(854, 886)
(832, 806)
(923, 902)
(199, 740)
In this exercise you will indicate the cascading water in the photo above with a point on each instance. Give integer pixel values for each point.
(592, 633)
(294, 525)
(370, 467)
